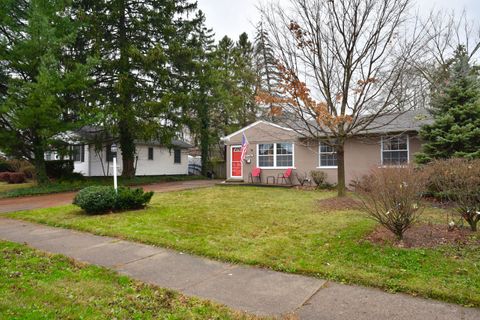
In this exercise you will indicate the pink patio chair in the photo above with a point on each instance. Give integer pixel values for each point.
(287, 175)
(255, 174)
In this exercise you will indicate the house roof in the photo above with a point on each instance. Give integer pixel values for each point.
(410, 121)
(253, 125)
(91, 132)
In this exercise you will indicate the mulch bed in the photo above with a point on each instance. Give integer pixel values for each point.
(425, 236)
(335, 203)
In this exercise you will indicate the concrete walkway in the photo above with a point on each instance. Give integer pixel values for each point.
(60, 199)
(249, 289)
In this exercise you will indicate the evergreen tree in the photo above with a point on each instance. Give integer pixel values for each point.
(141, 45)
(203, 86)
(42, 86)
(246, 79)
(266, 68)
(456, 110)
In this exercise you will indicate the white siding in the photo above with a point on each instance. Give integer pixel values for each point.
(82, 167)
(162, 163)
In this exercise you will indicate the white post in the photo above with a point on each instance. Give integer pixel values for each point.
(115, 185)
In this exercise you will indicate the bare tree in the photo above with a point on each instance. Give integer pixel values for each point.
(446, 31)
(344, 64)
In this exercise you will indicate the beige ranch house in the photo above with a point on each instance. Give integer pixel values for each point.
(393, 140)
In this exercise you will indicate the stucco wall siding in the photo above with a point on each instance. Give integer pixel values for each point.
(361, 154)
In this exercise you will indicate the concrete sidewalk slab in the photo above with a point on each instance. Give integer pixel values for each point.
(173, 270)
(259, 291)
(254, 290)
(338, 302)
(115, 254)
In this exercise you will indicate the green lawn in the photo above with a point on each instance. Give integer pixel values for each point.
(39, 286)
(284, 230)
(30, 189)
(6, 187)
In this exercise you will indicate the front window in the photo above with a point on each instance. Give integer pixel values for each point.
(275, 155)
(150, 153)
(327, 156)
(177, 155)
(78, 153)
(395, 150)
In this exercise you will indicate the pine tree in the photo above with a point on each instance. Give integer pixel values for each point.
(204, 83)
(42, 85)
(266, 68)
(141, 46)
(456, 109)
(246, 79)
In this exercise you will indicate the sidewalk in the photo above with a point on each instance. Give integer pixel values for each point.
(249, 289)
(60, 199)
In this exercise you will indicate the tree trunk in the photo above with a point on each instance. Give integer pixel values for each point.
(127, 140)
(205, 139)
(341, 188)
(127, 144)
(39, 162)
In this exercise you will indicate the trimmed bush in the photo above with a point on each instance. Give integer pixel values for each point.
(132, 199)
(102, 199)
(5, 176)
(320, 178)
(59, 168)
(16, 177)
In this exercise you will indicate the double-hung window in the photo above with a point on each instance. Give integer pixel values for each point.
(78, 153)
(275, 155)
(177, 156)
(395, 150)
(327, 156)
(150, 153)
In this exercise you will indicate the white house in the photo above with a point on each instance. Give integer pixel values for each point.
(152, 158)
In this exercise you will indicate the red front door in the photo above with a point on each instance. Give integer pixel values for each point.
(237, 162)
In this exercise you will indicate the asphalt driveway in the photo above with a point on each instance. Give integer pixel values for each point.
(59, 199)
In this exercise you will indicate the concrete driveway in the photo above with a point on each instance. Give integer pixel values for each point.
(59, 199)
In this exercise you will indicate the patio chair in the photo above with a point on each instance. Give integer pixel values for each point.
(287, 175)
(255, 174)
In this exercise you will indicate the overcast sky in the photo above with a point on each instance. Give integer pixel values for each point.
(232, 17)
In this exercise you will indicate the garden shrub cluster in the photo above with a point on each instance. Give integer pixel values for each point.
(103, 199)
(320, 179)
(458, 181)
(392, 197)
(12, 177)
(16, 171)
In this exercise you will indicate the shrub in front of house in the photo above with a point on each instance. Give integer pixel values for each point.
(103, 199)
(458, 181)
(4, 176)
(320, 179)
(392, 197)
(132, 199)
(16, 178)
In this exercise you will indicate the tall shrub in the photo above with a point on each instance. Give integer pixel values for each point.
(458, 180)
(392, 197)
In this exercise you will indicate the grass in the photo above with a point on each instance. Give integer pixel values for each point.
(30, 189)
(6, 187)
(284, 230)
(39, 286)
